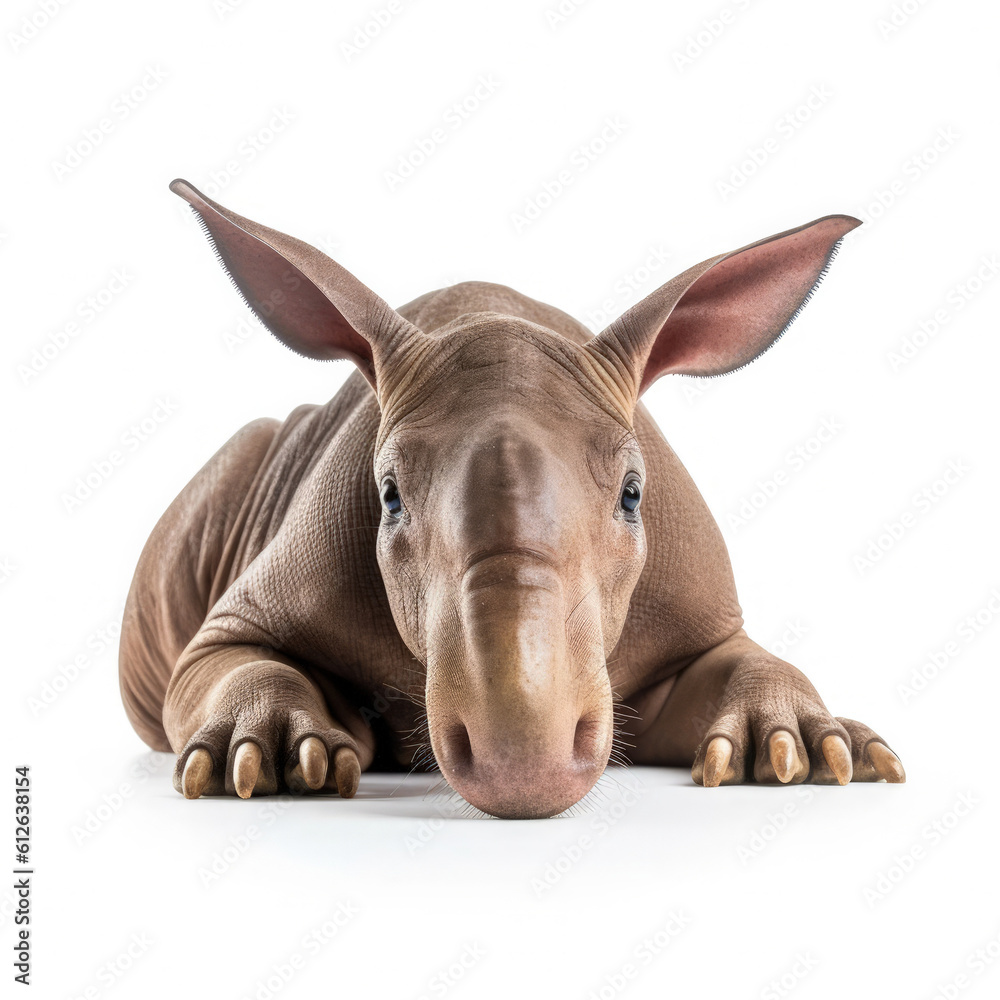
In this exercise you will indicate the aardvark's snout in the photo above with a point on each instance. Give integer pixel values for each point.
(534, 768)
(520, 716)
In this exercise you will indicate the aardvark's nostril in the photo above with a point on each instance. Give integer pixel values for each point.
(588, 740)
(456, 749)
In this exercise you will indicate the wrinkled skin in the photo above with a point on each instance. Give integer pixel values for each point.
(485, 525)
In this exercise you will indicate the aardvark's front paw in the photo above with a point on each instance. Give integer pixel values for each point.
(772, 726)
(267, 729)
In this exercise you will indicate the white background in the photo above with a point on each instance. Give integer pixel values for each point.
(825, 892)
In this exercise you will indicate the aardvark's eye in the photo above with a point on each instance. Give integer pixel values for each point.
(389, 495)
(631, 495)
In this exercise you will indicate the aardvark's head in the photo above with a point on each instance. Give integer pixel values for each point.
(511, 483)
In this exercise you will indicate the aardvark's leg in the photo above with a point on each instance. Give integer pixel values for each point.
(738, 713)
(244, 719)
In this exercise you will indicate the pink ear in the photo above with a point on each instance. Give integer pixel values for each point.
(721, 314)
(306, 300)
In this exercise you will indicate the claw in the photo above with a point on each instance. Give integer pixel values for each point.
(887, 765)
(314, 760)
(347, 772)
(838, 756)
(197, 771)
(717, 757)
(246, 767)
(784, 758)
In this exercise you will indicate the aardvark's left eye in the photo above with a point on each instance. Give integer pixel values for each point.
(631, 495)
(392, 504)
